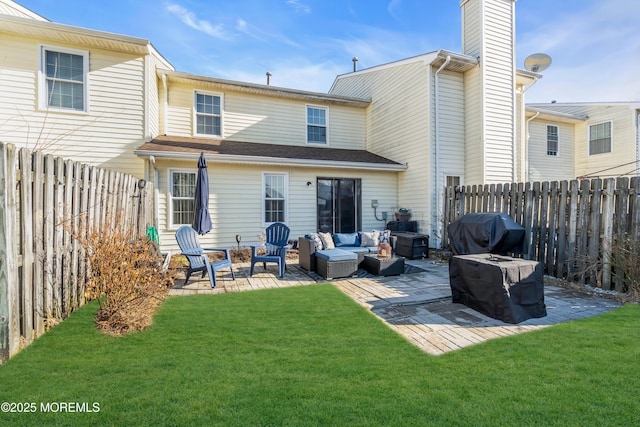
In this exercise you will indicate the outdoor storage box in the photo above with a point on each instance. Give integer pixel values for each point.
(412, 245)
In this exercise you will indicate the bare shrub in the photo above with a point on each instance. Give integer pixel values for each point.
(126, 276)
(625, 264)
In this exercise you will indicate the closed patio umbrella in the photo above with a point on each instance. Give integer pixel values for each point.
(201, 218)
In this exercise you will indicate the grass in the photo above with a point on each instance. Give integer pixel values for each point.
(311, 356)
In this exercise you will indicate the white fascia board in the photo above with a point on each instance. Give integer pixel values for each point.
(260, 160)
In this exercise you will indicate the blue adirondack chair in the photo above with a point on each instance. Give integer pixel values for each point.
(197, 256)
(276, 245)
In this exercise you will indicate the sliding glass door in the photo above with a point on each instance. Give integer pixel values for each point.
(339, 205)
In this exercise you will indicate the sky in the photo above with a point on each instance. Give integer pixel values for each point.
(305, 44)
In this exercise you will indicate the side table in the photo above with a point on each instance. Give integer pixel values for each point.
(383, 266)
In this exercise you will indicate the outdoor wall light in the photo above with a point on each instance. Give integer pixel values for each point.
(308, 183)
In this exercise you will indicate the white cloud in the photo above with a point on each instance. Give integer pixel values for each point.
(189, 18)
(299, 7)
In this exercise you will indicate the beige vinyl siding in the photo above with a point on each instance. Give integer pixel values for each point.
(543, 167)
(451, 127)
(623, 142)
(472, 28)
(499, 77)
(152, 100)
(235, 202)
(262, 119)
(105, 136)
(399, 127)
(474, 140)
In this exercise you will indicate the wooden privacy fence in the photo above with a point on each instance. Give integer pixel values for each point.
(570, 226)
(44, 200)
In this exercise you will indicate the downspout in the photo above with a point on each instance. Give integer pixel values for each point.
(152, 160)
(524, 133)
(165, 113)
(436, 227)
(525, 143)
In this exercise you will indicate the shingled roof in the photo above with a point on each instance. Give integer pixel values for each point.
(260, 153)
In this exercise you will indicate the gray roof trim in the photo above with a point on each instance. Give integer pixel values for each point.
(267, 90)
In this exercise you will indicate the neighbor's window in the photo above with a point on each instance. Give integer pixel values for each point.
(183, 190)
(275, 197)
(600, 138)
(64, 80)
(208, 114)
(552, 140)
(316, 125)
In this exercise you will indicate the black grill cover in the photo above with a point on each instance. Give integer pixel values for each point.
(508, 289)
(478, 233)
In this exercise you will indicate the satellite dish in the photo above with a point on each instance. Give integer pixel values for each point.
(537, 62)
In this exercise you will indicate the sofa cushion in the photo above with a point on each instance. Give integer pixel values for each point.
(327, 240)
(336, 255)
(357, 249)
(346, 239)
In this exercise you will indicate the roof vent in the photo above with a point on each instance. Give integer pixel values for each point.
(268, 78)
(355, 63)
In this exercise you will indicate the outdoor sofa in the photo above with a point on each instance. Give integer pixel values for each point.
(340, 254)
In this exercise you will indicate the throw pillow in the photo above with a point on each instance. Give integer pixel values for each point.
(369, 239)
(384, 236)
(317, 241)
(327, 240)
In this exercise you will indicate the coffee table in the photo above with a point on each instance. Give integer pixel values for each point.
(383, 266)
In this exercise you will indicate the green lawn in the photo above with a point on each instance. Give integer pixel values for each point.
(310, 356)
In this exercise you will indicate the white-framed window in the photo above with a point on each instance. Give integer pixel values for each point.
(182, 190)
(452, 180)
(63, 79)
(316, 125)
(207, 114)
(274, 202)
(552, 140)
(600, 138)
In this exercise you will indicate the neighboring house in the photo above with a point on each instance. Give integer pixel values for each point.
(590, 140)
(74, 92)
(394, 134)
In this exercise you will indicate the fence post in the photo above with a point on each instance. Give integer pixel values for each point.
(607, 225)
(9, 309)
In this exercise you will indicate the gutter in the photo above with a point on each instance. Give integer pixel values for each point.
(261, 160)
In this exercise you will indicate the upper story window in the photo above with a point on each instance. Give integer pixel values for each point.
(208, 111)
(64, 79)
(600, 138)
(552, 140)
(316, 125)
(182, 194)
(275, 197)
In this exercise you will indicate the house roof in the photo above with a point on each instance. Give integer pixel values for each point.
(226, 151)
(260, 89)
(61, 33)
(550, 114)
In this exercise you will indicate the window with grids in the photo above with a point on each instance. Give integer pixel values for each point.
(316, 125)
(552, 140)
(65, 75)
(275, 197)
(183, 190)
(208, 114)
(600, 138)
